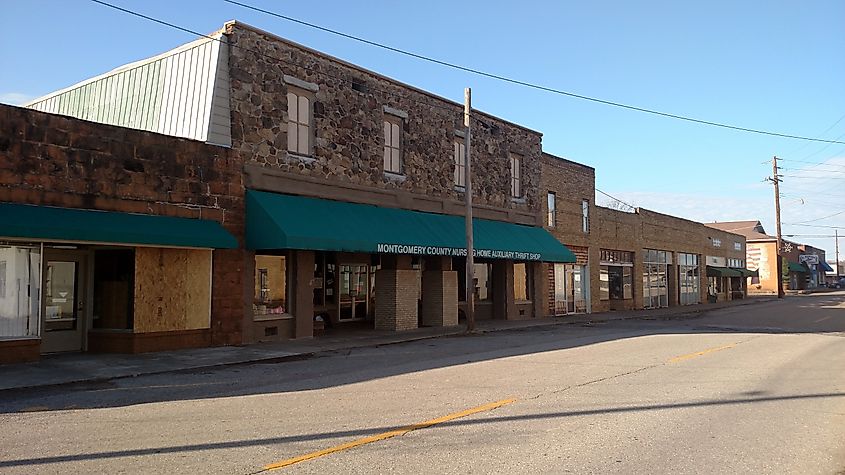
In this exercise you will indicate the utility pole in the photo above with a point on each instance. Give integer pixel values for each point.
(776, 180)
(470, 272)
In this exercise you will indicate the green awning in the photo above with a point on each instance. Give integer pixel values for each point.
(47, 223)
(277, 221)
(722, 272)
(749, 272)
(795, 267)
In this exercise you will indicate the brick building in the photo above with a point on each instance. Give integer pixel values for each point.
(631, 260)
(802, 266)
(153, 268)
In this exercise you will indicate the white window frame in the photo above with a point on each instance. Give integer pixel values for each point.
(516, 175)
(585, 216)
(459, 156)
(393, 141)
(717, 242)
(300, 123)
(551, 204)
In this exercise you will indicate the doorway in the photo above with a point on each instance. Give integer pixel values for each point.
(354, 292)
(63, 305)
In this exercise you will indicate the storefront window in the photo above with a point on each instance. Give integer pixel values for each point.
(688, 279)
(655, 272)
(270, 286)
(521, 283)
(570, 289)
(20, 280)
(114, 285)
(615, 279)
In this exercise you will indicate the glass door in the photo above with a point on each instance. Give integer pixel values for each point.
(354, 287)
(63, 303)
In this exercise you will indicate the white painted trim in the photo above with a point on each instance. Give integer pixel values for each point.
(398, 113)
(294, 81)
(460, 133)
(398, 177)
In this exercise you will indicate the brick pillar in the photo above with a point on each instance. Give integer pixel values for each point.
(439, 293)
(396, 294)
(540, 276)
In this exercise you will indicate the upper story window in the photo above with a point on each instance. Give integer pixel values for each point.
(392, 144)
(299, 122)
(717, 242)
(737, 246)
(585, 216)
(552, 205)
(459, 147)
(516, 175)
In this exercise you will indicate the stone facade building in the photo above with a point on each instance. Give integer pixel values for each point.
(342, 187)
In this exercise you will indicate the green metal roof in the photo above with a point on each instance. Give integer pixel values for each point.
(277, 221)
(78, 225)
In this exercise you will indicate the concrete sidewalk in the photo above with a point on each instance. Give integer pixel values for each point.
(87, 368)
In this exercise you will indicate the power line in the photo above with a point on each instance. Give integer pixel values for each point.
(525, 83)
(827, 164)
(819, 219)
(456, 110)
(616, 199)
(814, 225)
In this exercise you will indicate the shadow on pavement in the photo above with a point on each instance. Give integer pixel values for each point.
(824, 313)
(377, 430)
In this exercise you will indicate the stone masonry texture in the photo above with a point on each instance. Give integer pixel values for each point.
(348, 115)
(53, 160)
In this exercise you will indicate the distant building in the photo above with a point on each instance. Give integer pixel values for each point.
(804, 266)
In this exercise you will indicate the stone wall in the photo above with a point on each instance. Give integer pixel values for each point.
(348, 115)
(52, 160)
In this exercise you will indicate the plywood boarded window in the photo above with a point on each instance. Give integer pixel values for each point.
(392, 144)
(521, 282)
(299, 122)
(172, 289)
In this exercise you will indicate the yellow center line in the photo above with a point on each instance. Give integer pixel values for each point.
(700, 353)
(388, 434)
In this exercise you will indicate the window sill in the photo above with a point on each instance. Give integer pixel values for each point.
(266, 317)
(518, 199)
(460, 188)
(295, 157)
(397, 177)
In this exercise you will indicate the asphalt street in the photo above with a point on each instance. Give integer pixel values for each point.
(758, 388)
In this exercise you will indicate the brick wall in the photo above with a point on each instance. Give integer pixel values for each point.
(54, 160)
(349, 126)
(397, 299)
(626, 231)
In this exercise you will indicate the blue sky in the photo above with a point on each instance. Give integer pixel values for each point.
(772, 65)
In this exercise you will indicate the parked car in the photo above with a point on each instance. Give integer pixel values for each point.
(838, 285)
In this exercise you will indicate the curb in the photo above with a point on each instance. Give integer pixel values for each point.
(458, 331)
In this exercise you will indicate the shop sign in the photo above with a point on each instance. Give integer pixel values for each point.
(456, 252)
(809, 259)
